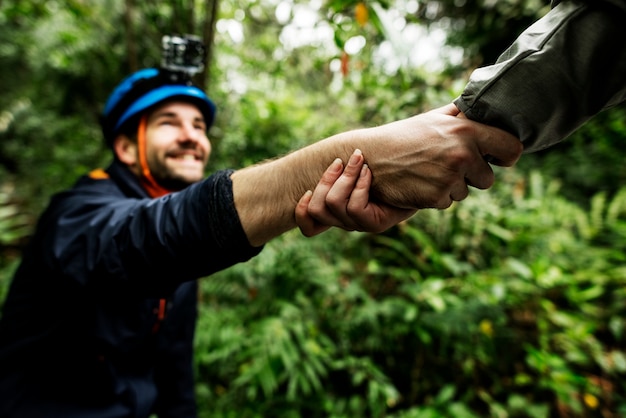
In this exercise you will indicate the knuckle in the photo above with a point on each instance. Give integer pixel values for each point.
(444, 203)
(355, 207)
(334, 201)
(315, 208)
(518, 149)
(487, 181)
(463, 128)
(460, 156)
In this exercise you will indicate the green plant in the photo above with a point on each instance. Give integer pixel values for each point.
(13, 229)
(509, 304)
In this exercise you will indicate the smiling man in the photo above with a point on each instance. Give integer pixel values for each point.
(100, 317)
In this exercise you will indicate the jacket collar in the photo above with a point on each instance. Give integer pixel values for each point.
(126, 180)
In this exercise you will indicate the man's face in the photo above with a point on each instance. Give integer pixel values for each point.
(177, 147)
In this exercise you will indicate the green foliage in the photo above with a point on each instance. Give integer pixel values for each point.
(487, 27)
(544, 291)
(49, 107)
(260, 344)
(13, 229)
(590, 160)
(509, 304)
(12, 222)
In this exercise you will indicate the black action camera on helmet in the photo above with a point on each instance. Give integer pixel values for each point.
(183, 54)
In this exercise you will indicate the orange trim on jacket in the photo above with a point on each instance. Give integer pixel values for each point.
(98, 174)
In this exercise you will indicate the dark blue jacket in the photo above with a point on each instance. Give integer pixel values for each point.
(100, 317)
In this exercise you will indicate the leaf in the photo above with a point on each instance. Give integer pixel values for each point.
(446, 394)
(618, 359)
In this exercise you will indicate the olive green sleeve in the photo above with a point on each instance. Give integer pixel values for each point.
(560, 72)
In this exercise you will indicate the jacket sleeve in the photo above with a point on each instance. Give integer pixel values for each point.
(559, 73)
(147, 245)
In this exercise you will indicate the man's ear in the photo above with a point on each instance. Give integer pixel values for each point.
(126, 150)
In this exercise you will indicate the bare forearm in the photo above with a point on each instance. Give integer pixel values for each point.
(266, 194)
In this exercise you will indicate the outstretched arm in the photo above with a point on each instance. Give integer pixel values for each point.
(425, 161)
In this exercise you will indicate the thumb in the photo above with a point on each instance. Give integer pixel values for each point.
(449, 109)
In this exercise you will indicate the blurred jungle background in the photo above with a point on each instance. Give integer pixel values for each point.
(511, 303)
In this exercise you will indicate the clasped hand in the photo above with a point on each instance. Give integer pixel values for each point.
(341, 198)
(458, 150)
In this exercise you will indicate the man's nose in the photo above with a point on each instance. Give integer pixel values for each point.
(189, 132)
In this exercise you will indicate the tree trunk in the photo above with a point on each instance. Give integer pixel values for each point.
(208, 37)
(131, 42)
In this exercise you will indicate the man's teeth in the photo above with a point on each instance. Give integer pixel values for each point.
(187, 157)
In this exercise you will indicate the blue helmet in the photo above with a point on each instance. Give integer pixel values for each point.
(145, 89)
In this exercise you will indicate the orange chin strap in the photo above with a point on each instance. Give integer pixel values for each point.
(149, 183)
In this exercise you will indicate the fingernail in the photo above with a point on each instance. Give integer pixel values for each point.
(363, 170)
(336, 165)
(356, 156)
(306, 198)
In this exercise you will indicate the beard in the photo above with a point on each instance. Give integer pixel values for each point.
(173, 177)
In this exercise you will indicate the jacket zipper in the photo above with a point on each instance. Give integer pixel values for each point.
(160, 315)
